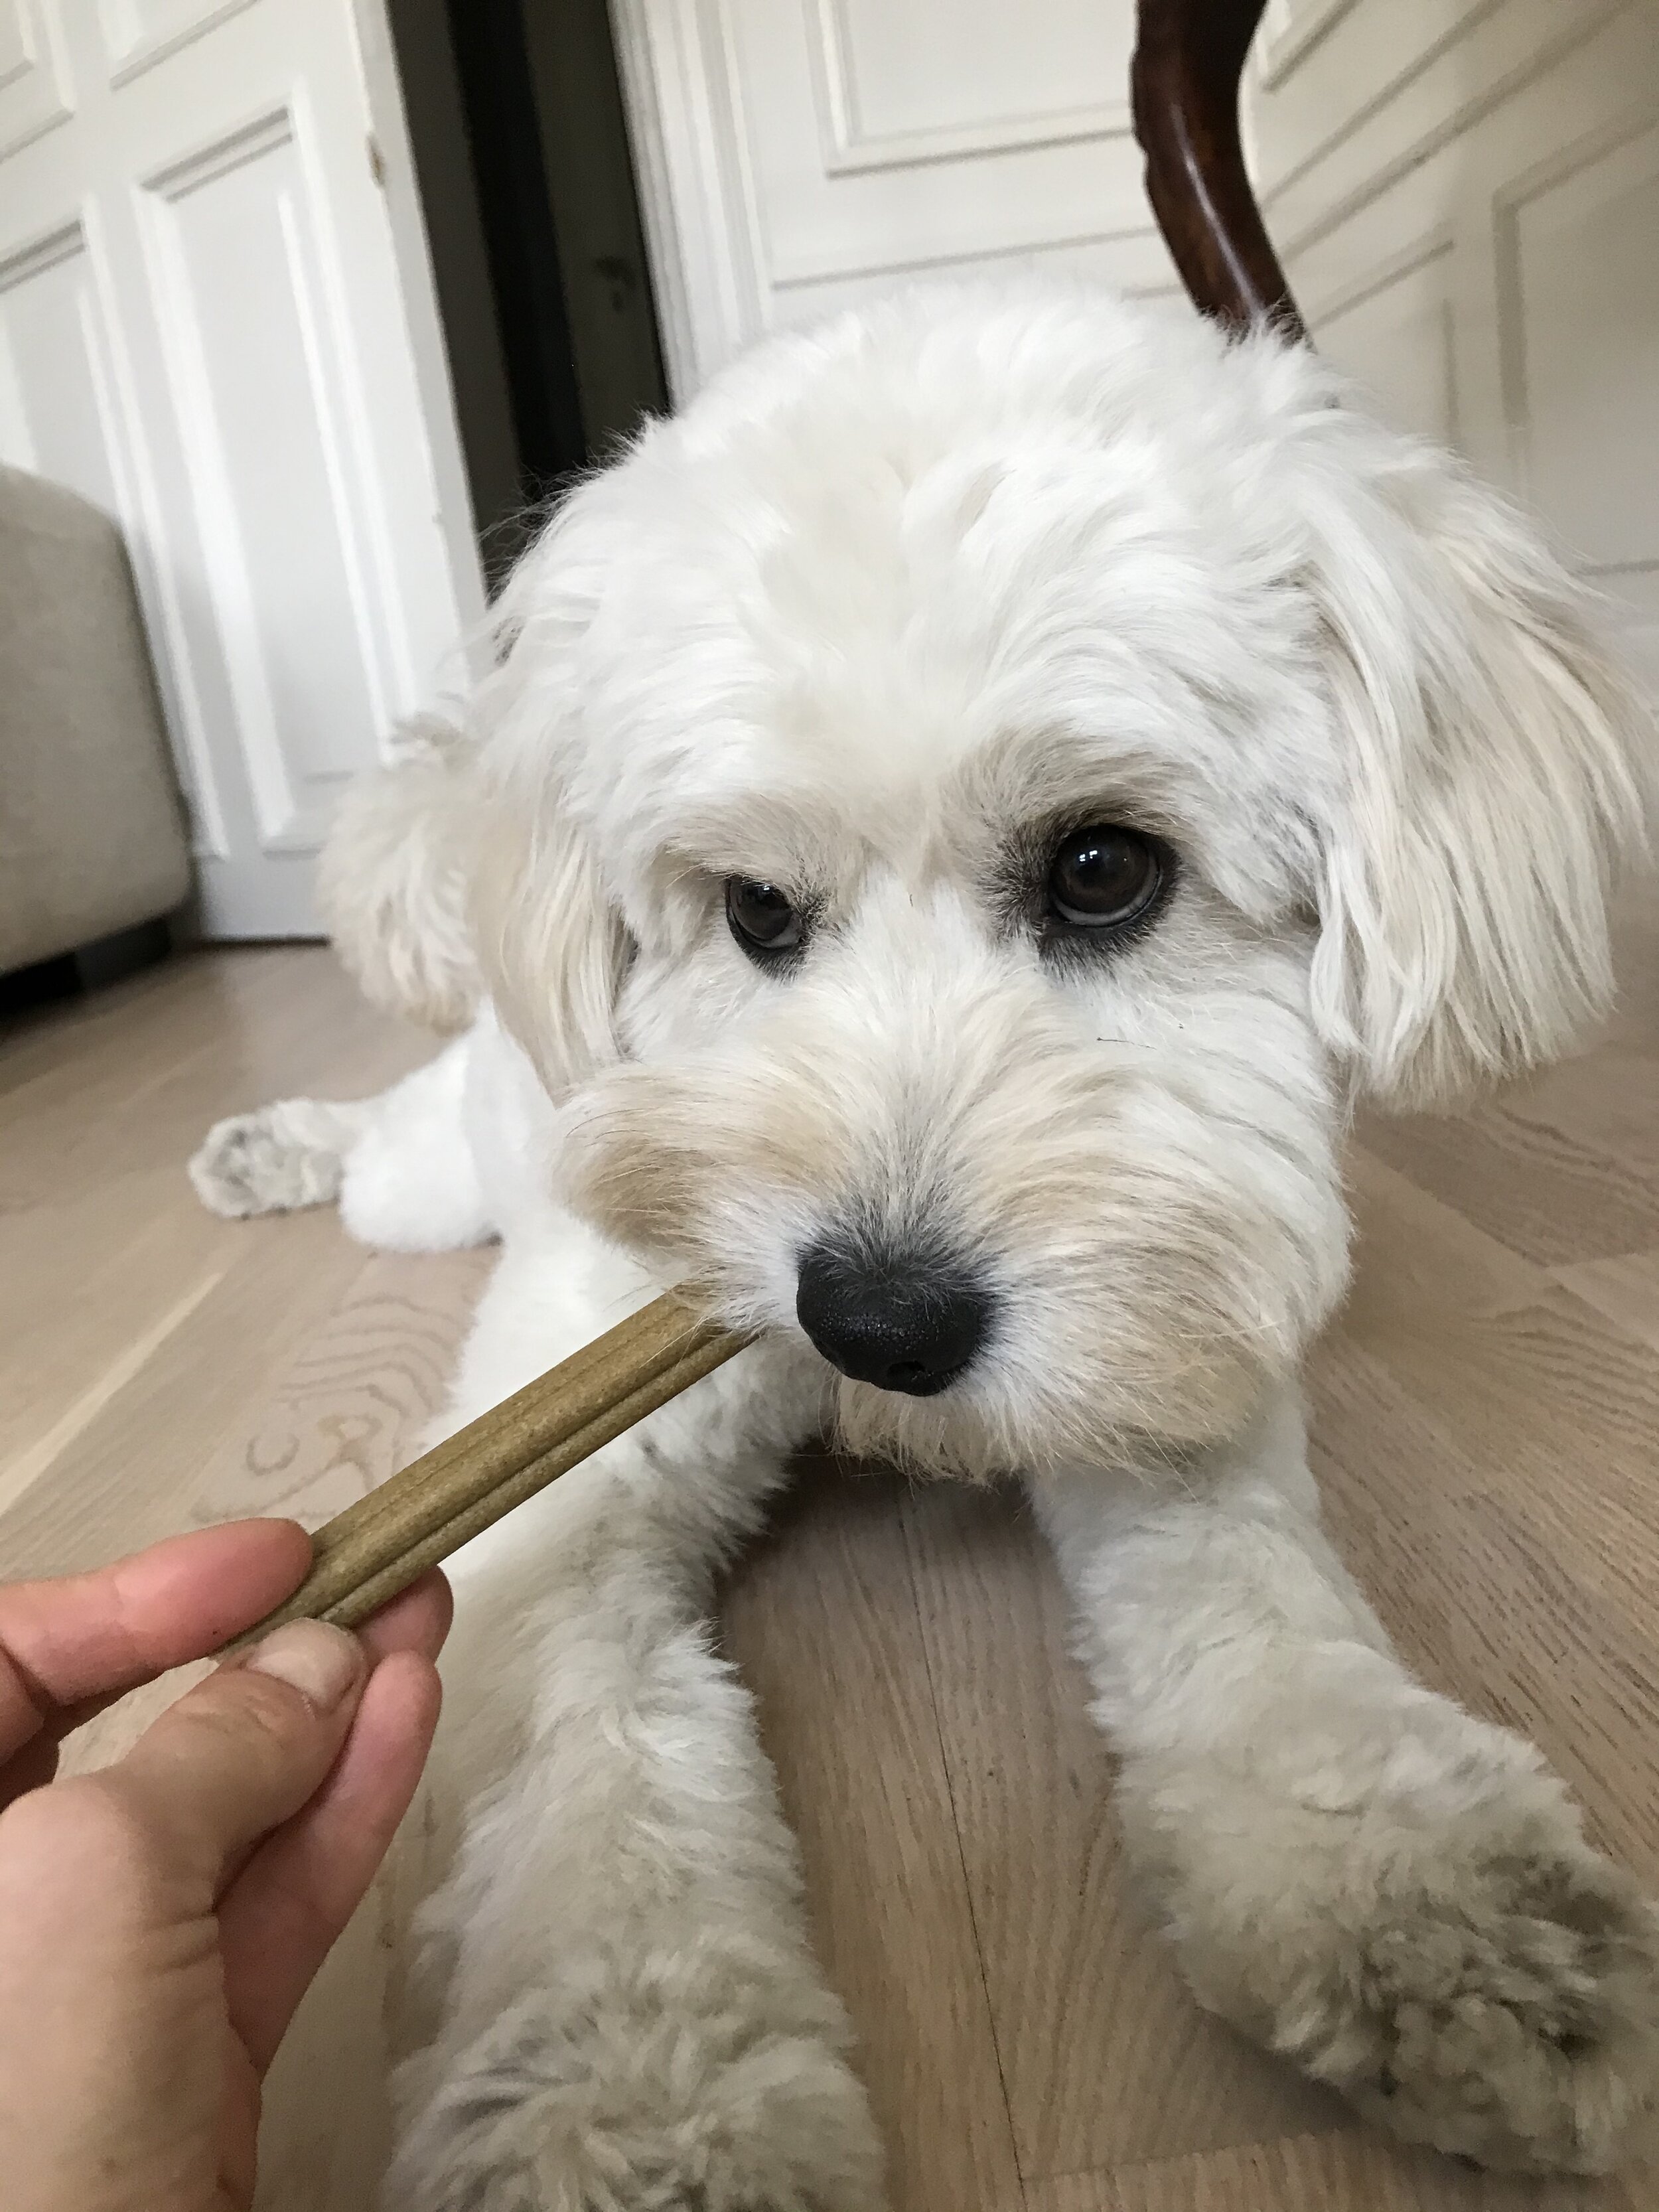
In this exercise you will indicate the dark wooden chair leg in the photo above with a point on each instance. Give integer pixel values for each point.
(1189, 57)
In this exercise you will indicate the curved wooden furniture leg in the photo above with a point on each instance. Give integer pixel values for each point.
(1189, 57)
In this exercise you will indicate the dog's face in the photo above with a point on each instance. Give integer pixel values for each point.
(965, 809)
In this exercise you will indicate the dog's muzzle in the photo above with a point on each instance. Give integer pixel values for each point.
(901, 1320)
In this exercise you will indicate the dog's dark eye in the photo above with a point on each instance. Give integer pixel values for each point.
(762, 920)
(1103, 877)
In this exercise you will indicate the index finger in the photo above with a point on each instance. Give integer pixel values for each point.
(82, 1637)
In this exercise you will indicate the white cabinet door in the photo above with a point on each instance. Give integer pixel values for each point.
(795, 154)
(205, 327)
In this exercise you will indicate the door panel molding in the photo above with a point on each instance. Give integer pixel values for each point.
(138, 34)
(35, 80)
(779, 180)
(850, 146)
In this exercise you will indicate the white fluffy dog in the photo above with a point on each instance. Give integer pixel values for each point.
(957, 818)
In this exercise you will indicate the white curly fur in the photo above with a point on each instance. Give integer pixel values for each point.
(894, 604)
(391, 884)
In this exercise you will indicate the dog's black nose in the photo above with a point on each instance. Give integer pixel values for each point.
(901, 1322)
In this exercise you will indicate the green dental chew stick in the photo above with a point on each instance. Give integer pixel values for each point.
(388, 1539)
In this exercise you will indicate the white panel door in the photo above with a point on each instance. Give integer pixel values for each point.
(796, 154)
(205, 326)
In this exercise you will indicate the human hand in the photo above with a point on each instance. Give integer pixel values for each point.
(161, 1919)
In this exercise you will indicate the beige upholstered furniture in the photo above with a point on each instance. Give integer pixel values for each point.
(92, 832)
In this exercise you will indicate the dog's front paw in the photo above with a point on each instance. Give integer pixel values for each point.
(653, 2098)
(271, 1161)
(1492, 1990)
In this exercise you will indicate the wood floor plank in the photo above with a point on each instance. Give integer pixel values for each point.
(354, 1399)
(1624, 1292)
(1547, 1402)
(85, 1283)
(1483, 1606)
(1105, 2056)
(1548, 1193)
(1326, 2173)
(1410, 1247)
(327, 2130)
(822, 1620)
(141, 1094)
(1549, 1406)
(131, 1475)
(1606, 1098)
(1498, 1343)
(74, 1030)
(132, 1317)
(1484, 1445)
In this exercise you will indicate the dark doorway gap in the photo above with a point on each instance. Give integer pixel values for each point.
(528, 185)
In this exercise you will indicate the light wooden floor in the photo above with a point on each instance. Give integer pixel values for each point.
(1485, 1418)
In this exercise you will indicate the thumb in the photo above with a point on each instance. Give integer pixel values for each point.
(242, 1752)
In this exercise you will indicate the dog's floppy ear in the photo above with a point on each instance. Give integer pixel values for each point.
(552, 950)
(392, 877)
(1494, 766)
(550, 946)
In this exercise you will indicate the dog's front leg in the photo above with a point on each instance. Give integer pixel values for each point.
(1392, 1894)
(634, 2019)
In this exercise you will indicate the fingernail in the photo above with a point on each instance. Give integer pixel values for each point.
(321, 1662)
